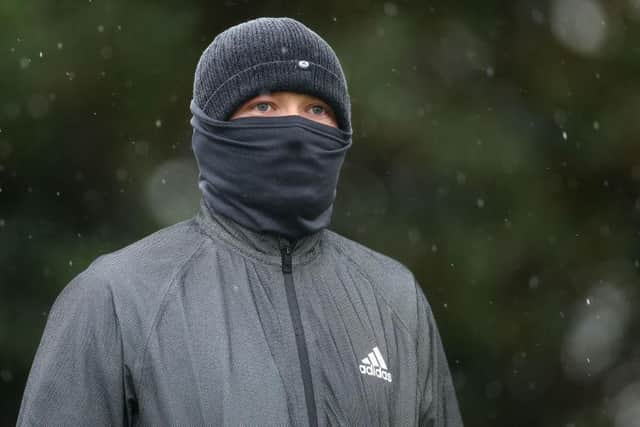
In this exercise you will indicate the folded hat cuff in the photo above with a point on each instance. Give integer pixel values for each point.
(301, 76)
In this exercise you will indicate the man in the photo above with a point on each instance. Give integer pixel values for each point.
(253, 312)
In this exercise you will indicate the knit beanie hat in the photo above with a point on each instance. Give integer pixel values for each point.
(269, 55)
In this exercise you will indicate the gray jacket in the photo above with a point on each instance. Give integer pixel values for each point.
(208, 323)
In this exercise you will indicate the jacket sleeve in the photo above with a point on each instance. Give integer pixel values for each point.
(76, 375)
(438, 406)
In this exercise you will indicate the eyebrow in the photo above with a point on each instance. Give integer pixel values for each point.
(309, 98)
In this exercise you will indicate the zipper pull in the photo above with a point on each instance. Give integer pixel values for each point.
(285, 250)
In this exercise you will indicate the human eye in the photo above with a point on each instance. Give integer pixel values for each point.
(262, 107)
(318, 109)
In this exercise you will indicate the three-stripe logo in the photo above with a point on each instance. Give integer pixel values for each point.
(375, 365)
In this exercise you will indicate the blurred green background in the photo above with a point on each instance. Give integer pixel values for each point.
(495, 153)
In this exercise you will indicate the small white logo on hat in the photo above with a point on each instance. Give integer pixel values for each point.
(303, 64)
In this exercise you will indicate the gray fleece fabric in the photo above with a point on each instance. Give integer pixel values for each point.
(190, 326)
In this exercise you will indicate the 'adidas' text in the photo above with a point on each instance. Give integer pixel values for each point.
(375, 365)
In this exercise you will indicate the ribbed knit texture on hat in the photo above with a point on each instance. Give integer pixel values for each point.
(265, 54)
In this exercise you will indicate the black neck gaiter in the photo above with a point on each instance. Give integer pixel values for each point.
(271, 174)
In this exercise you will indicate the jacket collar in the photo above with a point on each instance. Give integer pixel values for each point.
(261, 245)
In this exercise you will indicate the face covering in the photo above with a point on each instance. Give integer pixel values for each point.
(271, 174)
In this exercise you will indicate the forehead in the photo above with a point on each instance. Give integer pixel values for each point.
(288, 95)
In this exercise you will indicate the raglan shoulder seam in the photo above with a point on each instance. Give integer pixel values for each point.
(375, 287)
(139, 360)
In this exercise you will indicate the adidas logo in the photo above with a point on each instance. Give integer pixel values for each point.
(374, 365)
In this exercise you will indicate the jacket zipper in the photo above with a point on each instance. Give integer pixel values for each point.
(303, 356)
